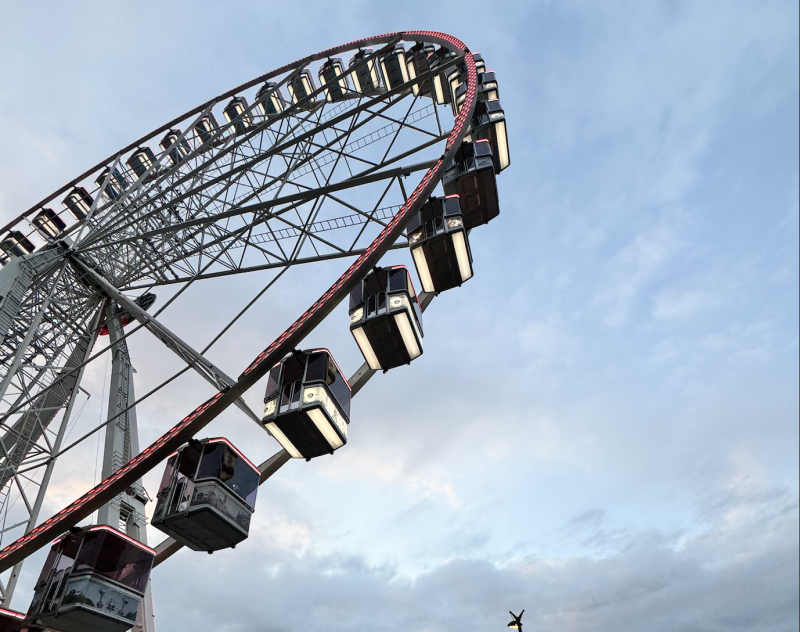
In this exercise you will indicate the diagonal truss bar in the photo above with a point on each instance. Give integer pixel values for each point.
(213, 374)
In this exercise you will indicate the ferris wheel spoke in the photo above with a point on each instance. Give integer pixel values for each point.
(231, 174)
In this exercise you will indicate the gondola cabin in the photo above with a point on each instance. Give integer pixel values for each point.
(365, 72)
(92, 581)
(180, 146)
(458, 75)
(48, 224)
(333, 78)
(206, 128)
(394, 69)
(489, 123)
(439, 245)
(207, 496)
(417, 64)
(16, 244)
(487, 89)
(385, 318)
(145, 301)
(307, 404)
(471, 177)
(441, 88)
(237, 113)
(301, 86)
(269, 100)
(78, 203)
(11, 621)
(116, 185)
(141, 160)
(487, 86)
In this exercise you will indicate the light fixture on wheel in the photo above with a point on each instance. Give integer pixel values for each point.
(385, 318)
(237, 113)
(439, 244)
(307, 404)
(207, 495)
(94, 579)
(472, 178)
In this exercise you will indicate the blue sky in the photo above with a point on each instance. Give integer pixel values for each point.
(603, 428)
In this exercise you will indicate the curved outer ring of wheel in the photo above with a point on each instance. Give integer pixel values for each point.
(204, 414)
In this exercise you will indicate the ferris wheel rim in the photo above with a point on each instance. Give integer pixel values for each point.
(153, 455)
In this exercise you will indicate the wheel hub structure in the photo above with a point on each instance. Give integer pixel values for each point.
(325, 158)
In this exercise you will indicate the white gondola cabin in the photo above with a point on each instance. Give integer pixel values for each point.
(441, 89)
(207, 495)
(394, 69)
(92, 581)
(180, 146)
(269, 100)
(48, 224)
(385, 318)
(487, 89)
(458, 75)
(16, 244)
(301, 86)
(333, 78)
(417, 62)
(141, 160)
(237, 113)
(206, 128)
(489, 123)
(471, 177)
(307, 404)
(439, 245)
(116, 184)
(78, 202)
(365, 72)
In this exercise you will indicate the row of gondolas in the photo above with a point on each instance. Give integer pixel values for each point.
(366, 75)
(94, 578)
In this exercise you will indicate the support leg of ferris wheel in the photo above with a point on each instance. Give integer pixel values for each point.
(80, 355)
(125, 511)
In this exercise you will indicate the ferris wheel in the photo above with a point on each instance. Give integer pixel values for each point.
(390, 142)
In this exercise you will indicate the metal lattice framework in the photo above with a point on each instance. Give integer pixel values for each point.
(262, 191)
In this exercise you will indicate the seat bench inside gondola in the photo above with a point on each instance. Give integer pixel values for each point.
(207, 495)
